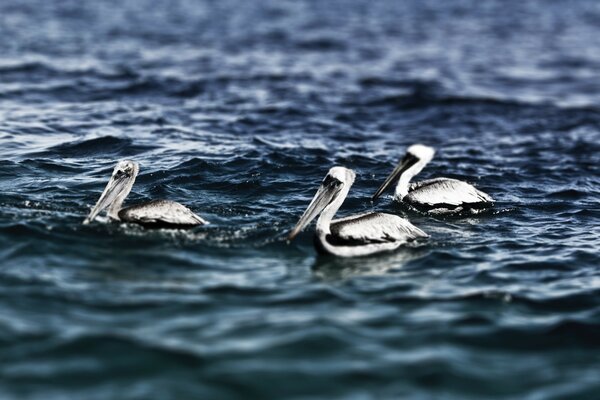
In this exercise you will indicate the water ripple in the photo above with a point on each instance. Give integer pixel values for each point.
(237, 109)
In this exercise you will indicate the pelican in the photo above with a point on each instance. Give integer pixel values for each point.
(155, 213)
(356, 235)
(438, 195)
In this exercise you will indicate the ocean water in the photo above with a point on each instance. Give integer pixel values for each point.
(238, 109)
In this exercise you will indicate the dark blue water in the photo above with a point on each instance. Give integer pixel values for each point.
(237, 109)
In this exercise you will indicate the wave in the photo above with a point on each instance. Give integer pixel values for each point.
(101, 146)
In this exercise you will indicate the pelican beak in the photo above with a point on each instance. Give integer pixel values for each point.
(408, 161)
(326, 193)
(115, 186)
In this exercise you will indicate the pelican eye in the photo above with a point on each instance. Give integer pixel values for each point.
(330, 180)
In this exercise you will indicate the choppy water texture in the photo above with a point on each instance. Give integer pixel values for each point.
(237, 109)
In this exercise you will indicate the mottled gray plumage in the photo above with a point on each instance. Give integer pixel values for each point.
(160, 213)
(375, 228)
(445, 191)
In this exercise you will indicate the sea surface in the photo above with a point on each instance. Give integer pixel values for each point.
(237, 109)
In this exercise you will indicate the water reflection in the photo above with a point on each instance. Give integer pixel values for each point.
(336, 268)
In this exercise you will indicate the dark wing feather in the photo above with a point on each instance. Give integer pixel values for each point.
(161, 213)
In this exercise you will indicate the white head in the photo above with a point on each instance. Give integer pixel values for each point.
(330, 195)
(422, 152)
(116, 190)
(342, 174)
(416, 157)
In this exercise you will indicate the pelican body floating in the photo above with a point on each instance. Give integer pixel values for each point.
(152, 214)
(356, 235)
(438, 195)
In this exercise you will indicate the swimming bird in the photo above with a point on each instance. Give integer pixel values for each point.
(438, 195)
(155, 213)
(356, 235)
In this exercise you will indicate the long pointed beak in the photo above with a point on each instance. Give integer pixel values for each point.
(407, 162)
(111, 191)
(323, 197)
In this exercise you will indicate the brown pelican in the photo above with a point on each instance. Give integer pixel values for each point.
(438, 195)
(156, 213)
(357, 235)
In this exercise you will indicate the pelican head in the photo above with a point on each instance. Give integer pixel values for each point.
(416, 157)
(337, 182)
(116, 190)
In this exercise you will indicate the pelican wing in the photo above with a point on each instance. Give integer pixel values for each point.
(160, 213)
(445, 191)
(374, 228)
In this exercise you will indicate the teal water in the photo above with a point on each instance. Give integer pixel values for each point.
(237, 109)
